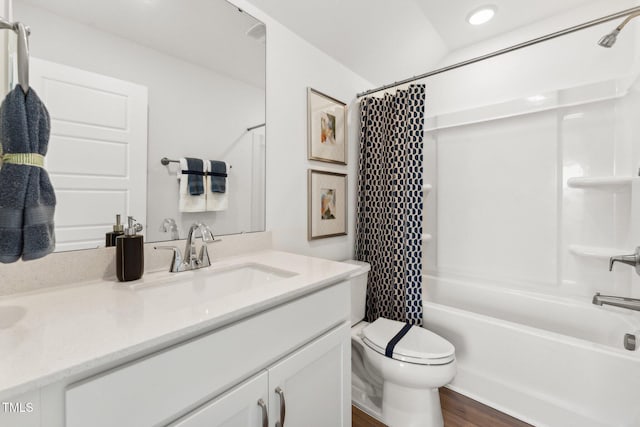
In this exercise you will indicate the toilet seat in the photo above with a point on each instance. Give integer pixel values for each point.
(419, 346)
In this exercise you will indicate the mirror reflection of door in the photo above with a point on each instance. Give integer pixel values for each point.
(98, 148)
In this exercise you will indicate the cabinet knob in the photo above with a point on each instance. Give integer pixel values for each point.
(265, 414)
(283, 407)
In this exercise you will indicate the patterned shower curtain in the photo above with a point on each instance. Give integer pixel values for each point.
(389, 223)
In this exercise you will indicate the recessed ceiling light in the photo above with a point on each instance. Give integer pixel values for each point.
(482, 15)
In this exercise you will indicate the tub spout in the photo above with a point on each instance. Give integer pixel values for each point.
(628, 303)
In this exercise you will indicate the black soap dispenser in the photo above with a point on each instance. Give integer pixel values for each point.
(118, 230)
(130, 253)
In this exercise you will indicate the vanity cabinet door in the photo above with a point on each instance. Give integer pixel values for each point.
(315, 383)
(243, 406)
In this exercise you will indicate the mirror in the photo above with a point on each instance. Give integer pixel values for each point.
(130, 82)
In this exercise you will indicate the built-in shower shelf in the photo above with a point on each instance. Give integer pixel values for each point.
(427, 188)
(427, 237)
(596, 251)
(607, 183)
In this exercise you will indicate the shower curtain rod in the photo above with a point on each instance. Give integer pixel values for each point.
(531, 42)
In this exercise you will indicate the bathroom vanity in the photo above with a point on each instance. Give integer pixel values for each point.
(254, 340)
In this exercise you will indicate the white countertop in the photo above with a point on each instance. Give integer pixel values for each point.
(50, 335)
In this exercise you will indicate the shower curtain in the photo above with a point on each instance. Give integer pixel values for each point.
(389, 223)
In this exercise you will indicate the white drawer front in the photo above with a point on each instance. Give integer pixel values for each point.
(152, 391)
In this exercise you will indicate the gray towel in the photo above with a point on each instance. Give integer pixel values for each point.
(218, 173)
(196, 176)
(27, 199)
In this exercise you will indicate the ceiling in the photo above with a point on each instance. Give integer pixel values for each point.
(374, 38)
(450, 18)
(381, 40)
(388, 40)
(171, 28)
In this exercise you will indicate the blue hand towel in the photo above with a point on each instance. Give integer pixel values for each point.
(27, 198)
(218, 173)
(196, 176)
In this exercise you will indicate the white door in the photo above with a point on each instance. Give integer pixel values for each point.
(97, 156)
(242, 406)
(312, 387)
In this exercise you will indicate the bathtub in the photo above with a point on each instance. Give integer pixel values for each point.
(549, 361)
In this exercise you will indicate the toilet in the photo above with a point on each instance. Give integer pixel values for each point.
(401, 390)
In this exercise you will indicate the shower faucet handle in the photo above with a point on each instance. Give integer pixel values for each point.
(632, 260)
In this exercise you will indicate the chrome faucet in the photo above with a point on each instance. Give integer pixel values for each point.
(628, 303)
(202, 260)
(192, 260)
(632, 260)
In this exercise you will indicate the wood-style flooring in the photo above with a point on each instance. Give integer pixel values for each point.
(457, 411)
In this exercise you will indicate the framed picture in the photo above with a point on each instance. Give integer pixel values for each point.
(326, 128)
(327, 196)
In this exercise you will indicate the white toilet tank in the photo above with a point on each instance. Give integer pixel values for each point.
(358, 281)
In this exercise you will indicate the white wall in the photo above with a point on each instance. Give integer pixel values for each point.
(292, 65)
(193, 112)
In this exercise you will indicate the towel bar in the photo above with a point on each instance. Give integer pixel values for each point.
(23, 33)
(165, 161)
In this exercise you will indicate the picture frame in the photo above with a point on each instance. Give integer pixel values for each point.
(326, 128)
(327, 204)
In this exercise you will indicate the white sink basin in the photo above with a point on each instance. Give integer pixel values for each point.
(225, 279)
(247, 276)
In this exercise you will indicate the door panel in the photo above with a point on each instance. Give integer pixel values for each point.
(315, 382)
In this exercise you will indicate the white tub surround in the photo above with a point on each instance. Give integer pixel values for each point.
(53, 338)
(532, 193)
(563, 201)
(550, 361)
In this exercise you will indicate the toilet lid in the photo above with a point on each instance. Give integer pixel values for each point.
(419, 345)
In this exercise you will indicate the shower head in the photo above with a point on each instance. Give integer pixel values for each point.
(611, 38)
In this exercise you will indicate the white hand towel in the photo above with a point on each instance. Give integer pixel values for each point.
(187, 202)
(217, 201)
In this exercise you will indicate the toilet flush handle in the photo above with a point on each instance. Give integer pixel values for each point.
(283, 407)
